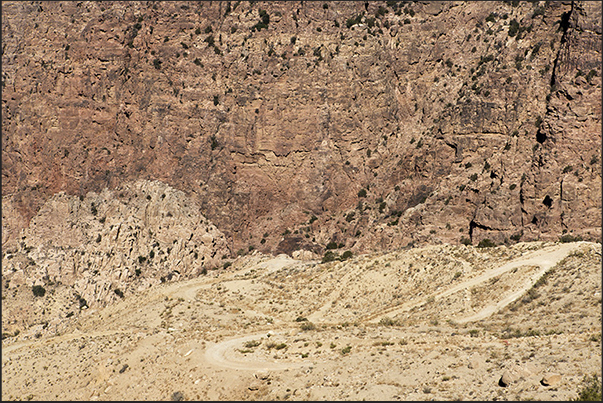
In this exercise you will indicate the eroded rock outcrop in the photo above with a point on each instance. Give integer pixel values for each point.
(93, 250)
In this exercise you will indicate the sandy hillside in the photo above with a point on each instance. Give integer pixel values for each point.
(440, 322)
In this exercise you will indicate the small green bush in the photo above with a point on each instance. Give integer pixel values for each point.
(265, 20)
(306, 326)
(329, 257)
(387, 322)
(252, 343)
(544, 279)
(590, 75)
(38, 290)
(332, 245)
(264, 16)
(486, 243)
(591, 390)
(210, 40)
(513, 27)
(353, 21)
(362, 193)
(213, 142)
(570, 238)
(346, 255)
(83, 303)
(516, 237)
(530, 296)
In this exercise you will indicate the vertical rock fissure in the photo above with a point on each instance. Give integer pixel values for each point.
(563, 24)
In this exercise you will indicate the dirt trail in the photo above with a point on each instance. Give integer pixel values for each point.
(220, 354)
(62, 338)
(187, 289)
(333, 296)
(545, 258)
(217, 355)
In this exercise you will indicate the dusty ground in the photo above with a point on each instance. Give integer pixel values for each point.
(434, 323)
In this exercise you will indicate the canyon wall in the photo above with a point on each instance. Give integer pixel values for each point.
(295, 125)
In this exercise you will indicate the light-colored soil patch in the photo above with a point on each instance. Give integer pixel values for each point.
(441, 322)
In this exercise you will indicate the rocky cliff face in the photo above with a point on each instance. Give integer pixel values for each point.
(295, 125)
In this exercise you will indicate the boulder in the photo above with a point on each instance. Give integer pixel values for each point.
(507, 378)
(550, 379)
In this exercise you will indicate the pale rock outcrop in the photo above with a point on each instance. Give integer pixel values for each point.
(114, 242)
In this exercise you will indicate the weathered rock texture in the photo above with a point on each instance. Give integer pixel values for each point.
(94, 250)
(458, 119)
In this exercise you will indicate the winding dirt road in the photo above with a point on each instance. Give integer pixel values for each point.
(221, 354)
(546, 258)
(217, 355)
